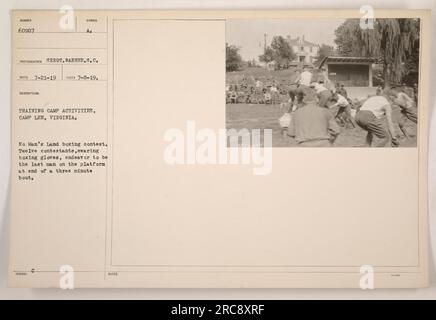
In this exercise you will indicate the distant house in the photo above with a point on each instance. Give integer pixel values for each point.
(351, 71)
(306, 51)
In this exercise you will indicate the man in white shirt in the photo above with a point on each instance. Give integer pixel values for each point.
(305, 77)
(370, 118)
(324, 94)
(341, 109)
(302, 81)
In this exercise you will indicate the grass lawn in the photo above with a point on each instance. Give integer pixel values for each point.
(260, 116)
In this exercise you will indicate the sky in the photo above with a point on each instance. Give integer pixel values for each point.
(248, 34)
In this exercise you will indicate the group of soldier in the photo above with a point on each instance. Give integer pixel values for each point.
(316, 108)
(257, 91)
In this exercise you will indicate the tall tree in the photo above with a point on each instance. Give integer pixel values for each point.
(392, 41)
(345, 34)
(283, 51)
(280, 52)
(267, 56)
(324, 51)
(233, 58)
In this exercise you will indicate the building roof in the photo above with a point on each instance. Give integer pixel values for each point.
(301, 42)
(357, 60)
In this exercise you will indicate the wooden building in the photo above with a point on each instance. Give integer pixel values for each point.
(351, 71)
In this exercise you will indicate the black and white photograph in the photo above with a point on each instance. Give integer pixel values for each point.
(243, 153)
(324, 82)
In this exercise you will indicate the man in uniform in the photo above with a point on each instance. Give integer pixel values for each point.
(312, 126)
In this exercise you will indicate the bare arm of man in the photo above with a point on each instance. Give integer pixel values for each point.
(291, 129)
(333, 127)
(297, 79)
(335, 104)
(388, 110)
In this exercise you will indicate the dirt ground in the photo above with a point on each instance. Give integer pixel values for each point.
(260, 116)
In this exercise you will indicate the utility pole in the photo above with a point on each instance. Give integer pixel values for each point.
(264, 42)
